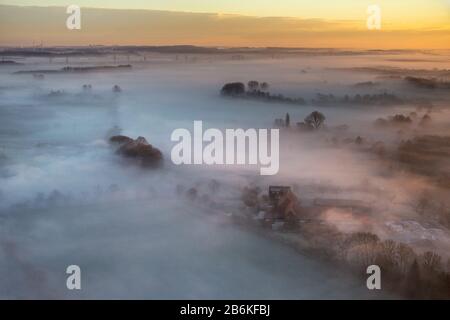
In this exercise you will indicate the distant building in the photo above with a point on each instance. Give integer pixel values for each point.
(285, 204)
(275, 192)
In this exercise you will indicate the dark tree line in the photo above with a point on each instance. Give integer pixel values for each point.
(315, 120)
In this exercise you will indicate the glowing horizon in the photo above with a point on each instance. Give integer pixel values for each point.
(415, 24)
(400, 12)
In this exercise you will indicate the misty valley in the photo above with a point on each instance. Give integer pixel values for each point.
(87, 176)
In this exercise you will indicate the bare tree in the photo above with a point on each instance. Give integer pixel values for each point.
(413, 287)
(358, 238)
(363, 255)
(315, 119)
(431, 260)
(405, 256)
(386, 258)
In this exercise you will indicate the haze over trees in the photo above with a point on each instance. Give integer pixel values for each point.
(363, 194)
(315, 120)
(259, 90)
(256, 90)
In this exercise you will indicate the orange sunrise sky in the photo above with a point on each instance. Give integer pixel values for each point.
(413, 24)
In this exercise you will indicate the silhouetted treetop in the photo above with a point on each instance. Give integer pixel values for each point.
(233, 89)
(253, 85)
(315, 119)
(288, 120)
